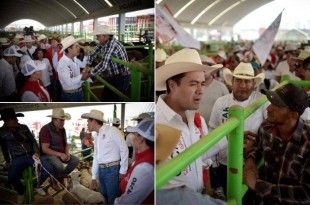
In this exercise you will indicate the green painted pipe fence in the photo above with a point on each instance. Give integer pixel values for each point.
(136, 69)
(233, 128)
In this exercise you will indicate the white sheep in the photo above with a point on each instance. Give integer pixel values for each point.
(87, 196)
(85, 178)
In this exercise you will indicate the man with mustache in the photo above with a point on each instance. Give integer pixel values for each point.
(284, 143)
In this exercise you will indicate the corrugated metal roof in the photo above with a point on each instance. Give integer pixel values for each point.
(239, 9)
(57, 12)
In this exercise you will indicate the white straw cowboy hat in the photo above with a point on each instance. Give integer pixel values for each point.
(19, 36)
(59, 113)
(27, 39)
(302, 55)
(103, 30)
(94, 114)
(166, 140)
(41, 37)
(4, 42)
(68, 41)
(160, 55)
(183, 61)
(243, 71)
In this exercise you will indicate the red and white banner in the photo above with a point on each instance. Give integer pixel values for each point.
(263, 45)
(168, 29)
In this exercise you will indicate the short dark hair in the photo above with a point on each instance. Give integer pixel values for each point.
(176, 78)
(306, 64)
(98, 121)
(67, 49)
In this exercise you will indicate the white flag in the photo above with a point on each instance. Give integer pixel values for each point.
(167, 29)
(263, 45)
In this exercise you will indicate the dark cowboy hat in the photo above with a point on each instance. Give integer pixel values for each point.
(9, 113)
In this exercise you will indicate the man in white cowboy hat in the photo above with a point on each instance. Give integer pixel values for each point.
(28, 49)
(284, 66)
(54, 147)
(182, 77)
(110, 155)
(243, 82)
(42, 41)
(69, 71)
(114, 73)
(8, 90)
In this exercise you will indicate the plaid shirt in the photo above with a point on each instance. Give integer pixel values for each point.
(287, 165)
(111, 48)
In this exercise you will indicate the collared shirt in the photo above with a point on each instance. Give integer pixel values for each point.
(287, 165)
(29, 51)
(111, 48)
(219, 115)
(109, 146)
(69, 72)
(191, 176)
(7, 79)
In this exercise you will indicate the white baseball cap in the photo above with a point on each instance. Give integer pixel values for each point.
(31, 67)
(11, 51)
(145, 128)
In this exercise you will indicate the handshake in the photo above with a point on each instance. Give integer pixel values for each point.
(85, 73)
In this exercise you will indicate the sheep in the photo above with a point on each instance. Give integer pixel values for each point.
(85, 178)
(86, 195)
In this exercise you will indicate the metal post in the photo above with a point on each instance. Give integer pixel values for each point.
(135, 84)
(29, 193)
(87, 91)
(235, 156)
(150, 78)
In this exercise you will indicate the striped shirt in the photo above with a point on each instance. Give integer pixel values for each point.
(287, 165)
(111, 48)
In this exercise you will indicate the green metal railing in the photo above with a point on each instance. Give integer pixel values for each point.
(28, 182)
(136, 70)
(233, 128)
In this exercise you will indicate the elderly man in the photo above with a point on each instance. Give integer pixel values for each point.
(183, 78)
(70, 76)
(54, 147)
(243, 82)
(283, 142)
(110, 155)
(7, 80)
(19, 149)
(114, 73)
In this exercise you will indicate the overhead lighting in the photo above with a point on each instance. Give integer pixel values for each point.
(204, 11)
(158, 1)
(107, 1)
(81, 6)
(66, 9)
(224, 12)
(183, 8)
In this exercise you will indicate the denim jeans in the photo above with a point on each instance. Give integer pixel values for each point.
(59, 171)
(184, 196)
(121, 83)
(17, 167)
(109, 182)
(72, 97)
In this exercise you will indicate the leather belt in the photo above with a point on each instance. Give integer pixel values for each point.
(110, 164)
(73, 91)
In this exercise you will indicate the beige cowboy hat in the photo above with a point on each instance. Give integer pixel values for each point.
(59, 113)
(19, 36)
(4, 42)
(243, 71)
(166, 140)
(160, 55)
(67, 42)
(27, 39)
(183, 61)
(41, 37)
(94, 114)
(103, 30)
(302, 55)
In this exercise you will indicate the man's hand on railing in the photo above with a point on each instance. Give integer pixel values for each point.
(249, 142)
(85, 73)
